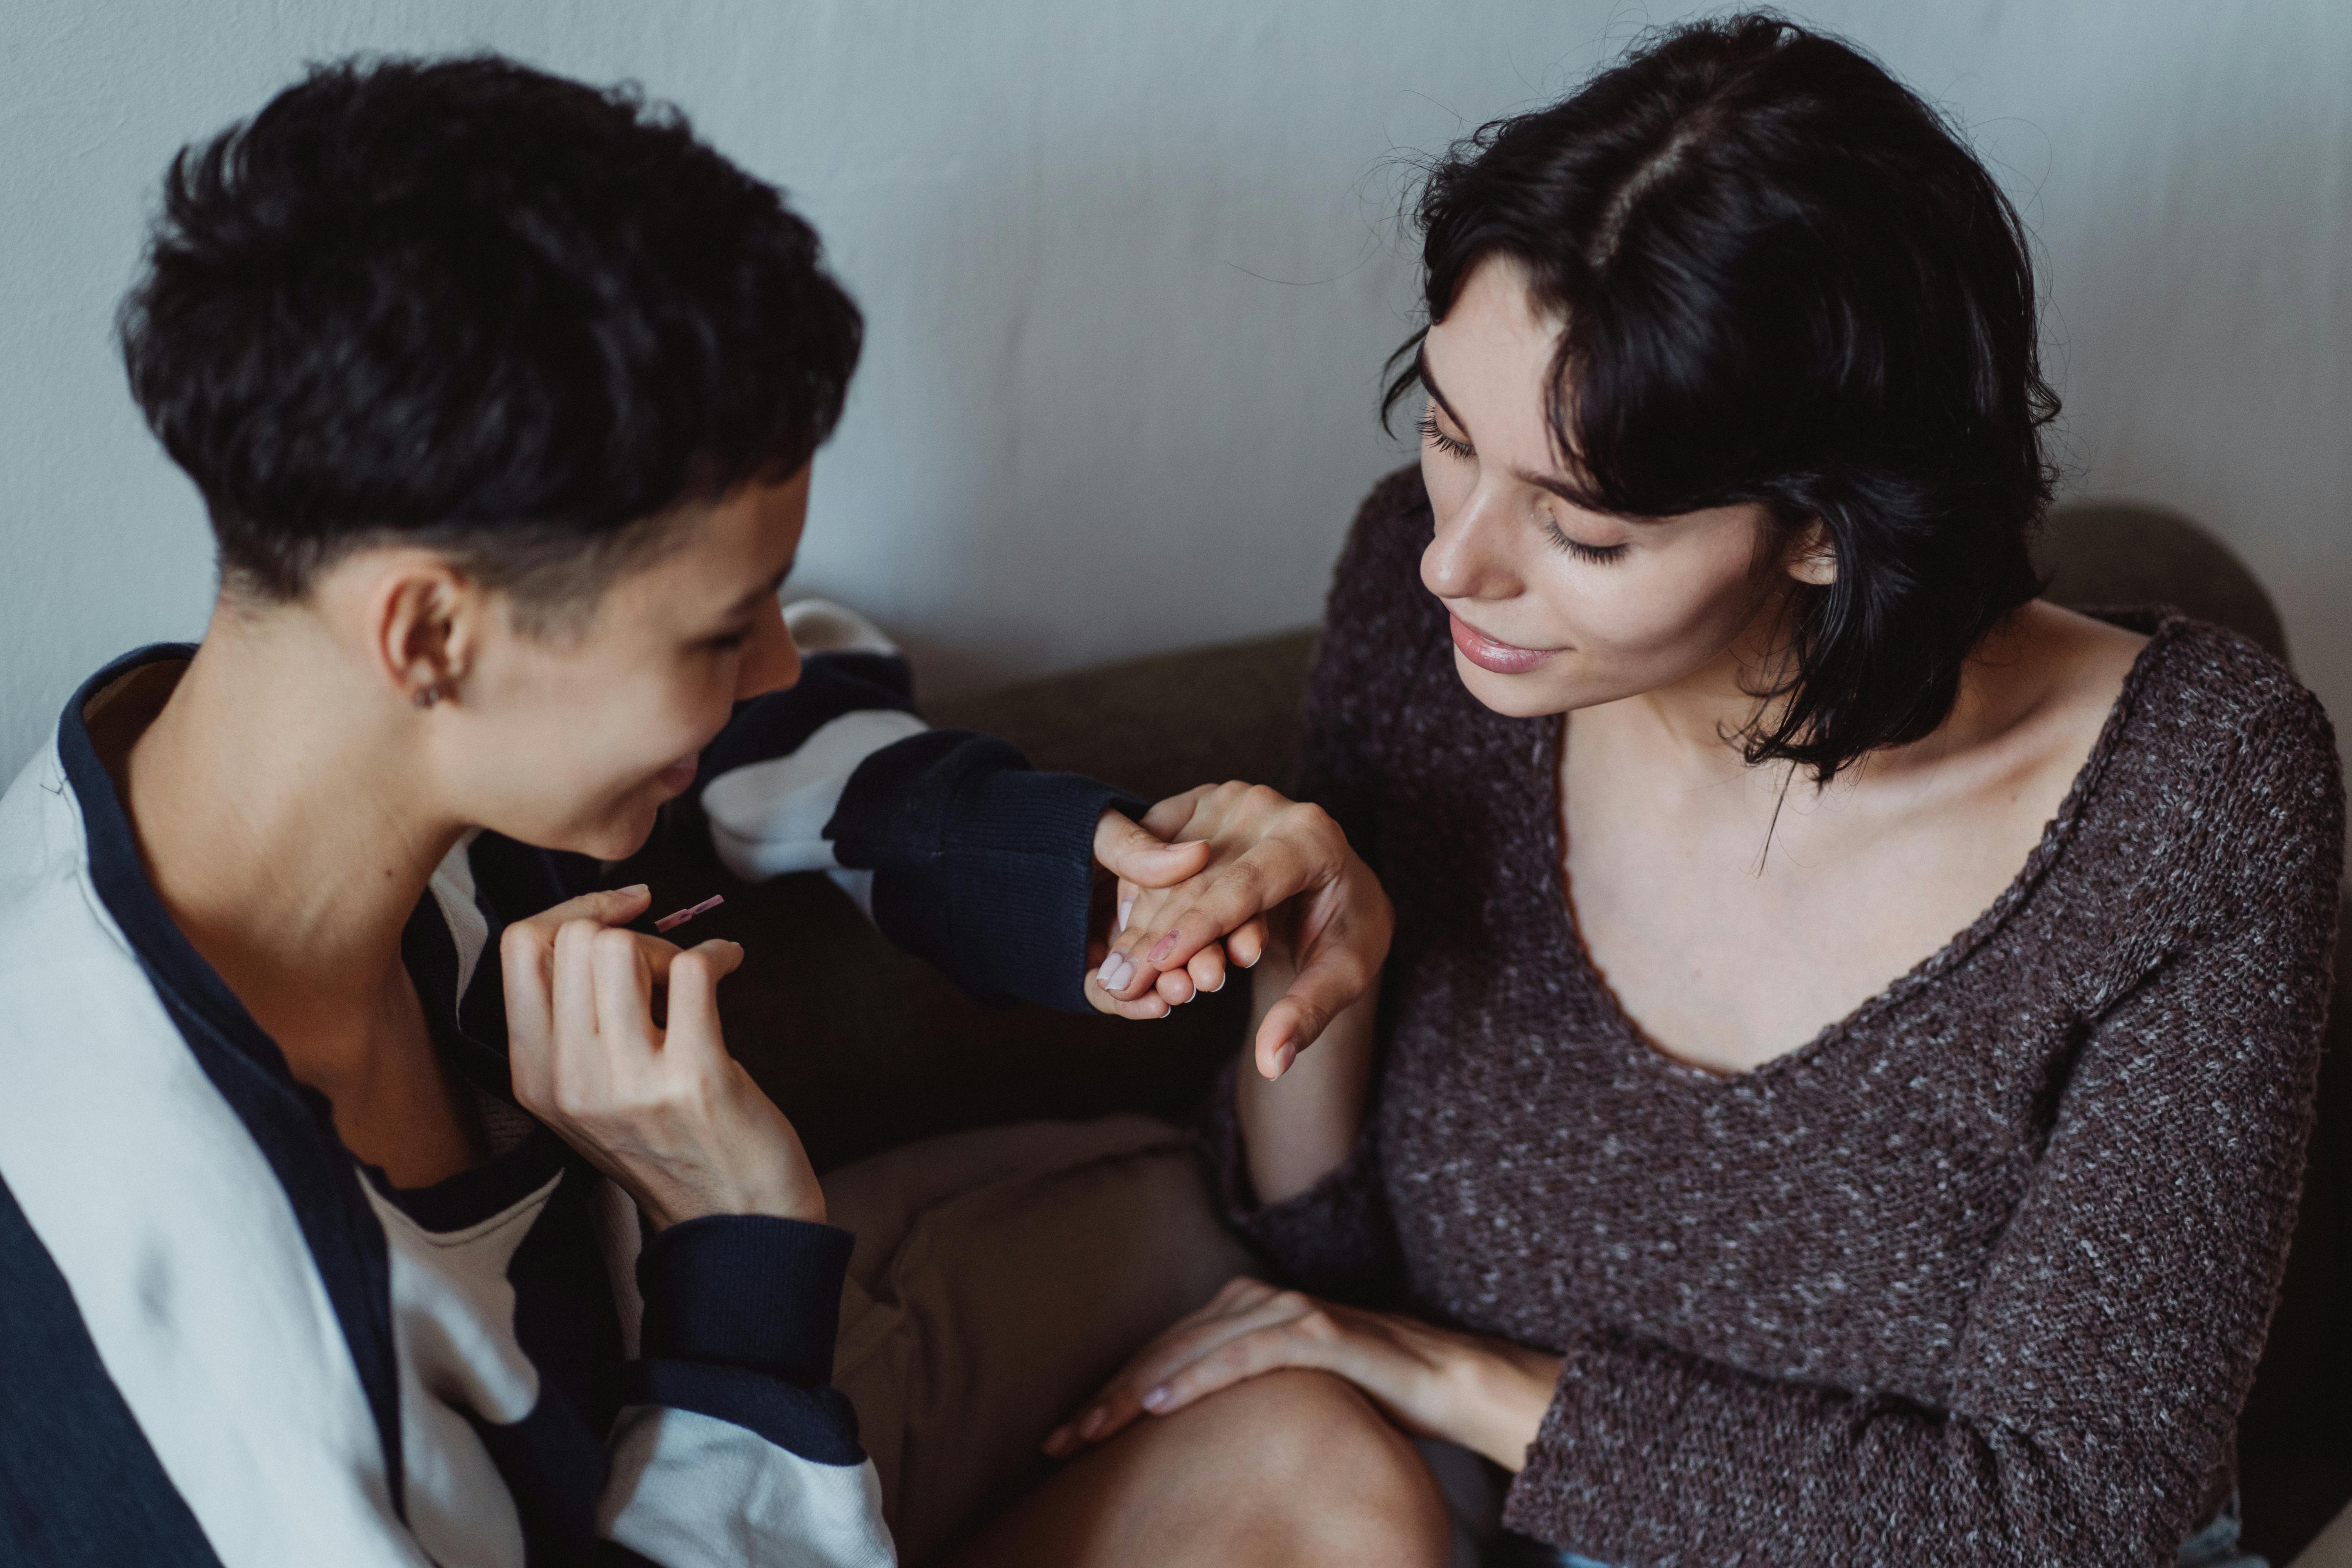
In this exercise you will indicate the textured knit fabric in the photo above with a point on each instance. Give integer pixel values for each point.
(1979, 1274)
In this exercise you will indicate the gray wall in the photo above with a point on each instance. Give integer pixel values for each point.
(1130, 278)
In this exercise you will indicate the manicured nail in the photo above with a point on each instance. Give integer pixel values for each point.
(1158, 1396)
(1219, 986)
(1284, 1055)
(1115, 972)
(1126, 908)
(633, 888)
(1167, 945)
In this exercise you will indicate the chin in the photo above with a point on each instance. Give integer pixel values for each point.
(1525, 696)
(616, 837)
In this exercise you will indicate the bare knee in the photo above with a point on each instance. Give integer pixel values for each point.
(1299, 1467)
(1293, 1467)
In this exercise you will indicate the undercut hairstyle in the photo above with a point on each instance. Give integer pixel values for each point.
(468, 305)
(1784, 281)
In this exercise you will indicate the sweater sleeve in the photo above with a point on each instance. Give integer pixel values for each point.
(959, 851)
(1337, 1238)
(732, 1436)
(2100, 1372)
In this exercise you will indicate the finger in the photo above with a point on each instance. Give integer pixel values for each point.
(1245, 943)
(1248, 1347)
(1244, 1306)
(624, 994)
(1207, 969)
(611, 907)
(694, 1031)
(1289, 1027)
(1175, 986)
(1262, 877)
(1127, 851)
(1339, 960)
(1150, 1005)
(658, 953)
(526, 956)
(573, 985)
(1250, 1355)
(1170, 817)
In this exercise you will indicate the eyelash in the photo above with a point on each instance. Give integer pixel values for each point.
(1599, 554)
(1440, 439)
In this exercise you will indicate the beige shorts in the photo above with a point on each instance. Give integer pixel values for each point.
(1001, 1277)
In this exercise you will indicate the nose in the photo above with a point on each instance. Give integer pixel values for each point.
(770, 661)
(1469, 554)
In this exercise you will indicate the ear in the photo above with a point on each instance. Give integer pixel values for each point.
(426, 620)
(1812, 558)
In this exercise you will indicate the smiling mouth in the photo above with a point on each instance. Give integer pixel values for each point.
(1502, 657)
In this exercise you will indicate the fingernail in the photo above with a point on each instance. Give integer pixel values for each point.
(1219, 986)
(1159, 953)
(1158, 1396)
(1126, 908)
(1284, 1055)
(633, 888)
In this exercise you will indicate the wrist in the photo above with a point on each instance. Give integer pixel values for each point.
(1502, 1392)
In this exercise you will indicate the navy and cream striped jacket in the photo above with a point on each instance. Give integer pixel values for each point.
(223, 1341)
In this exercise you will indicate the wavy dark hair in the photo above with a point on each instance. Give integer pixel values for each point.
(465, 304)
(1785, 281)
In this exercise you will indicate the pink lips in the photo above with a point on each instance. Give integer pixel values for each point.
(1487, 654)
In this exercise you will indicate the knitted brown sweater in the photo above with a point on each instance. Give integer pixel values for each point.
(1979, 1274)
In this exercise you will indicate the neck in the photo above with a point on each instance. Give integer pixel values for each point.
(1694, 724)
(284, 823)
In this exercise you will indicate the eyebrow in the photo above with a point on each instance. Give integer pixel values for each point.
(771, 588)
(1557, 486)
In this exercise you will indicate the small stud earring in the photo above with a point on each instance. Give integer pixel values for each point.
(426, 696)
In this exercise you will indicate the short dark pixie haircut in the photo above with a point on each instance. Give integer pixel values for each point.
(1787, 282)
(468, 305)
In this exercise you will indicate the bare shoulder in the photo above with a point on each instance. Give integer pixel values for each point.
(2072, 664)
(2034, 698)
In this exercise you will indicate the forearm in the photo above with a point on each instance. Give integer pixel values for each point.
(1301, 1127)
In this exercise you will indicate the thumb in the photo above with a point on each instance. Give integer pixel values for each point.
(1125, 849)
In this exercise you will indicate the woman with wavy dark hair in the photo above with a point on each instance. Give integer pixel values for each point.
(1691, 1170)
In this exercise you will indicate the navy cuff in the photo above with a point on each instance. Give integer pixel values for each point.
(746, 1291)
(817, 1423)
(981, 865)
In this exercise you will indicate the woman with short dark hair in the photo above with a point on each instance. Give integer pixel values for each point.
(1691, 1168)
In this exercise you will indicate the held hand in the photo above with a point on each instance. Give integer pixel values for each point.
(1136, 858)
(1487, 1394)
(662, 1111)
(1279, 873)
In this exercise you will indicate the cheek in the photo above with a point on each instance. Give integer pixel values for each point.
(1448, 480)
(1650, 622)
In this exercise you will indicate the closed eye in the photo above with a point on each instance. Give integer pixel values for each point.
(1598, 553)
(1438, 438)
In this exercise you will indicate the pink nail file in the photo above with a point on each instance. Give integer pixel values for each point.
(671, 922)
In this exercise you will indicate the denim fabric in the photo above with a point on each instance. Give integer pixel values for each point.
(1474, 1491)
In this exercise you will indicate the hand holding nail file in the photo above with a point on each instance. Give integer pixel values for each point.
(676, 917)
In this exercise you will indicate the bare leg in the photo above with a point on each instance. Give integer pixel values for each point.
(1294, 1468)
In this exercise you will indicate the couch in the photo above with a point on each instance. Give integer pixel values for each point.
(868, 1051)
